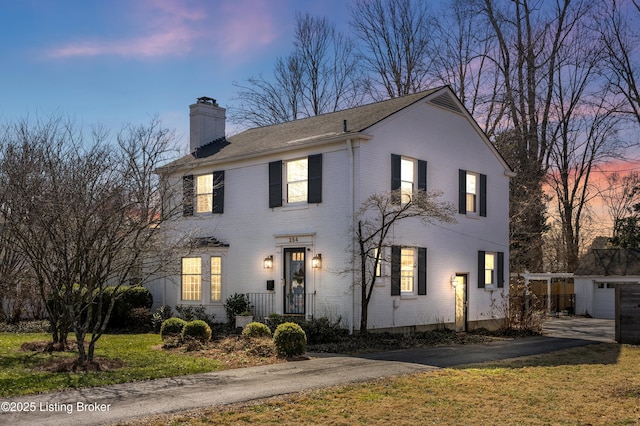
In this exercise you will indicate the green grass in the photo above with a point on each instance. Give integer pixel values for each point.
(141, 362)
(596, 385)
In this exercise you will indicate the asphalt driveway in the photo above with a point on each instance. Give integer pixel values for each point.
(117, 403)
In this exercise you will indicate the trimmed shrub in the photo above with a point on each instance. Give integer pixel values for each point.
(256, 329)
(290, 340)
(172, 327)
(196, 330)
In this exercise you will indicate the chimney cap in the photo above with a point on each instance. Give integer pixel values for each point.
(206, 100)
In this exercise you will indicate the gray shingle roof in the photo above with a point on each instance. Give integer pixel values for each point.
(610, 262)
(305, 131)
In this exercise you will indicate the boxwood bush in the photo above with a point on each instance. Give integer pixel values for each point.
(198, 330)
(172, 327)
(256, 329)
(290, 340)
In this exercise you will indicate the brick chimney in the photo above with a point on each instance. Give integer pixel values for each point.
(206, 122)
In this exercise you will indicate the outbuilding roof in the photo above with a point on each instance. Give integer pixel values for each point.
(610, 262)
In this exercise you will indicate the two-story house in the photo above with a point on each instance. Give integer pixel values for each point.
(270, 211)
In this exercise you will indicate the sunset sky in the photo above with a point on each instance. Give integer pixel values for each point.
(124, 61)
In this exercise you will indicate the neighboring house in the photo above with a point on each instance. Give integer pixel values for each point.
(265, 206)
(597, 276)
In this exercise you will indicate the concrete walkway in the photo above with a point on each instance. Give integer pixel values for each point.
(118, 403)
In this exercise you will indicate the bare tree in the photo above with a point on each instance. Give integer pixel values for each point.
(320, 75)
(618, 24)
(395, 38)
(620, 194)
(374, 220)
(84, 215)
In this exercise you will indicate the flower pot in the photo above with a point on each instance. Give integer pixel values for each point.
(243, 320)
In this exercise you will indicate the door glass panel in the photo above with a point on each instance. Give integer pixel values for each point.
(294, 278)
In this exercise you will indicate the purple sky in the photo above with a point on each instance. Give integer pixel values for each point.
(124, 61)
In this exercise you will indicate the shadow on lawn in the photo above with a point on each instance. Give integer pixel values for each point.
(539, 351)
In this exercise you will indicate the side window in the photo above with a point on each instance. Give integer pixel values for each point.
(490, 269)
(203, 193)
(472, 188)
(407, 175)
(408, 270)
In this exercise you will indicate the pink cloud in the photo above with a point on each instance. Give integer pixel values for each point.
(171, 28)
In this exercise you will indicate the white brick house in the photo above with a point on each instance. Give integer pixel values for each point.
(282, 195)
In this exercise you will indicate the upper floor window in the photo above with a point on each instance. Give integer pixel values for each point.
(406, 179)
(297, 175)
(302, 180)
(472, 193)
(204, 193)
(407, 175)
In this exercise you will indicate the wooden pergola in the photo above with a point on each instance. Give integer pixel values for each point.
(545, 276)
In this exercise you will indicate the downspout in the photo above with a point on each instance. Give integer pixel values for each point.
(351, 196)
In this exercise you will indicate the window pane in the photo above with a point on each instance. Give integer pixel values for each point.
(216, 279)
(204, 193)
(406, 170)
(407, 265)
(489, 268)
(471, 192)
(191, 278)
(471, 183)
(297, 170)
(406, 189)
(297, 174)
(471, 202)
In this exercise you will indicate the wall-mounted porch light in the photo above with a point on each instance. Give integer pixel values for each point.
(454, 280)
(316, 261)
(268, 262)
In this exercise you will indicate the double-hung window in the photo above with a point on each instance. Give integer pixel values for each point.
(407, 175)
(203, 193)
(297, 176)
(191, 278)
(296, 181)
(490, 269)
(408, 271)
(472, 193)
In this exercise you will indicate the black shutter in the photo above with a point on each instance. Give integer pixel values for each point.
(314, 194)
(483, 195)
(481, 269)
(218, 191)
(422, 271)
(275, 184)
(396, 183)
(187, 195)
(462, 191)
(422, 175)
(500, 269)
(395, 270)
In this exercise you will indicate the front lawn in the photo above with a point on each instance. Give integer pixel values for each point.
(20, 371)
(592, 385)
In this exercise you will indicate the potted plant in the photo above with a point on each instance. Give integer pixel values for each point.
(243, 319)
